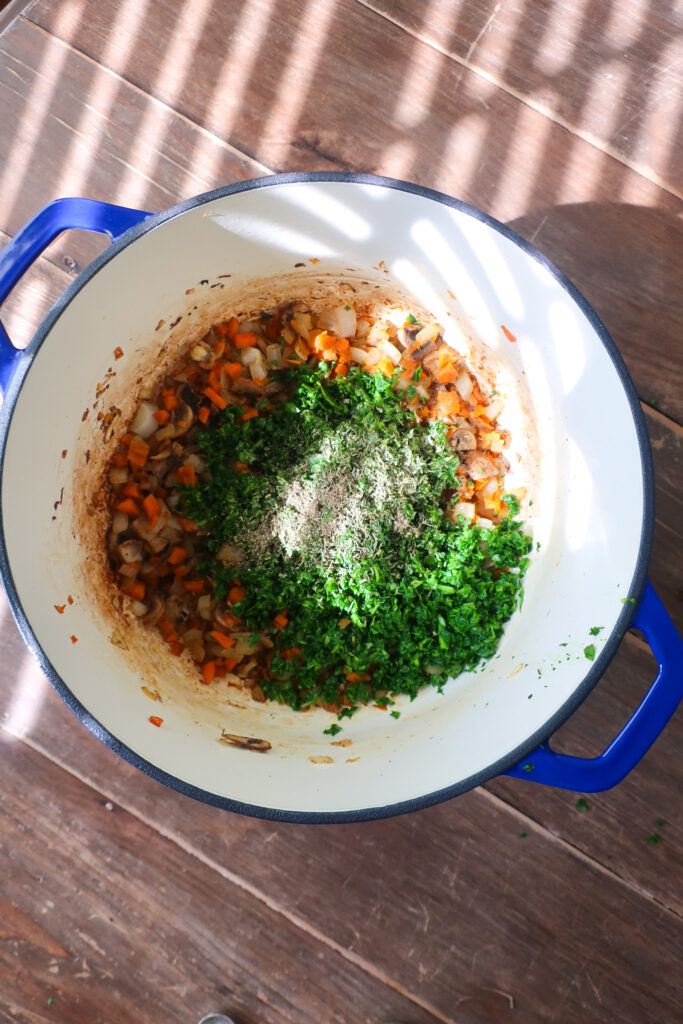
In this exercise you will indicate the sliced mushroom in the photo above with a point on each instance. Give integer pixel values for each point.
(480, 466)
(155, 612)
(183, 419)
(130, 551)
(464, 439)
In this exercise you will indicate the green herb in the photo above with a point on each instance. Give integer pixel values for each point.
(50, 1001)
(417, 373)
(342, 516)
(590, 652)
(659, 822)
(410, 319)
(333, 729)
(581, 804)
(522, 835)
(530, 696)
(594, 630)
(564, 645)
(628, 600)
(654, 401)
(347, 307)
(395, 714)
(654, 839)
(527, 767)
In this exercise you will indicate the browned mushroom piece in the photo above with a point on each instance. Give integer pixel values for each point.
(246, 742)
(479, 466)
(155, 612)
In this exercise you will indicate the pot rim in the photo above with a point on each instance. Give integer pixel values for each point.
(541, 735)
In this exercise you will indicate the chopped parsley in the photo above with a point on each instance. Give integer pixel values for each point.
(340, 516)
(590, 652)
(659, 822)
(654, 839)
(410, 319)
(594, 630)
(581, 804)
(333, 729)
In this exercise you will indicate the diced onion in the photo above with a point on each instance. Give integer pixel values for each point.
(200, 352)
(340, 321)
(462, 508)
(358, 355)
(258, 369)
(143, 423)
(463, 386)
(274, 355)
(494, 409)
(119, 523)
(204, 606)
(390, 351)
(250, 355)
(301, 322)
(430, 332)
(138, 609)
(118, 475)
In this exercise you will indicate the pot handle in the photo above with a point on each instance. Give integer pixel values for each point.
(28, 243)
(592, 775)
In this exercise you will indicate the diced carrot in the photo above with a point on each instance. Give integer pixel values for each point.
(221, 329)
(120, 459)
(291, 653)
(246, 340)
(162, 416)
(281, 621)
(384, 366)
(181, 571)
(508, 334)
(341, 369)
(448, 403)
(69, 599)
(118, 352)
(381, 707)
(249, 413)
(214, 397)
(138, 450)
(236, 594)
(220, 670)
(60, 608)
(132, 491)
(177, 555)
(170, 399)
(232, 328)
(136, 591)
(151, 507)
(241, 467)
(74, 639)
(447, 371)
(219, 348)
(229, 621)
(128, 507)
(222, 639)
(232, 370)
(127, 438)
(188, 525)
(208, 671)
(155, 720)
(214, 378)
(194, 586)
(231, 663)
(204, 414)
(186, 474)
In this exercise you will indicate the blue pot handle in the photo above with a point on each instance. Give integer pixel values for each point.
(592, 775)
(34, 237)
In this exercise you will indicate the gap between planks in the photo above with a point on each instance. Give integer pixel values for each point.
(241, 883)
(147, 95)
(527, 100)
(299, 922)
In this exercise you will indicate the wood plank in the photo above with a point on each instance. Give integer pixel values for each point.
(30, 301)
(453, 902)
(70, 127)
(102, 919)
(439, 125)
(612, 74)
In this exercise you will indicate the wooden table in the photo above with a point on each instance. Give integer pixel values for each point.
(125, 902)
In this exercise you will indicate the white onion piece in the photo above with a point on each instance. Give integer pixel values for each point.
(204, 607)
(130, 551)
(372, 357)
(164, 432)
(358, 355)
(390, 351)
(300, 351)
(301, 322)
(118, 475)
(362, 328)
(274, 354)
(484, 523)
(242, 647)
(378, 332)
(196, 461)
(147, 393)
(463, 386)
(138, 609)
(340, 321)
(143, 423)
(494, 409)
(250, 354)
(462, 508)
(430, 332)
(119, 523)
(258, 369)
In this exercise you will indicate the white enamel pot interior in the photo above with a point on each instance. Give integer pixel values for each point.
(317, 236)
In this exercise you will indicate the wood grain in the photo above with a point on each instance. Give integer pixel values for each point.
(609, 72)
(615, 233)
(30, 301)
(104, 920)
(453, 902)
(69, 127)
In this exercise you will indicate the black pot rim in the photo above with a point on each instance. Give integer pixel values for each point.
(500, 766)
